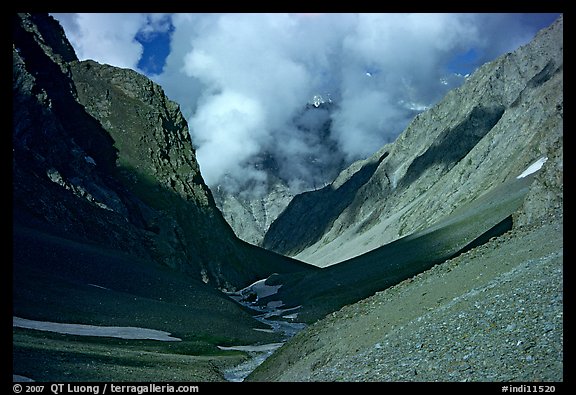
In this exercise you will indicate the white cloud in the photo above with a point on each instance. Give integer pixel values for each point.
(106, 38)
(242, 80)
(229, 128)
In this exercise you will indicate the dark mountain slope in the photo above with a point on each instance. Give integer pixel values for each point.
(112, 222)
(109, 142)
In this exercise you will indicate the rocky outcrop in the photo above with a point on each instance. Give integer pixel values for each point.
(155, 159)
(251, 216)
(506, 116)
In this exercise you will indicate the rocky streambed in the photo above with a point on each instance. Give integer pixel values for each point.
(280, 320)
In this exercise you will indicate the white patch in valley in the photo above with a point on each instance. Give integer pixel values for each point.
(122, 332)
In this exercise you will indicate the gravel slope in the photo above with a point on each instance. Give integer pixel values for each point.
(494, 313)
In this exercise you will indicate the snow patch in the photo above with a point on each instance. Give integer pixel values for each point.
(90, 160)
(259, 289)
(20, 378)
(534, 167)
(99, 286)
(122, 332)
(259, 348)
(318, 100)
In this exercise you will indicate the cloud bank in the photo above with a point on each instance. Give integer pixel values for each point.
(247, 82)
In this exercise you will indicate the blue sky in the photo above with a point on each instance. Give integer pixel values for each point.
(155, 50)
(242, 79)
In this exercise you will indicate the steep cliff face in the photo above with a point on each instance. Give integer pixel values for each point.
(101, 155)
(155, 161)
(506, 116)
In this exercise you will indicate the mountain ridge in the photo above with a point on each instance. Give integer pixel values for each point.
(132, 156)
(113, 225)
(484, 118)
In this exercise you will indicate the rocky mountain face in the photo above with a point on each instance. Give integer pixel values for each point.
(251, 216)
(492, 311)
(113, 224)
(102, 156)
(506, 116)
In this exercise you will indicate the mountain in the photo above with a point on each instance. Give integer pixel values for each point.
(456, 234)
(477, 138)
(250, 215)
(112, 221)
(453, 179)
(439, 257)
(492, 314)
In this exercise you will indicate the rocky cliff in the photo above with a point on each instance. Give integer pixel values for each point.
(506, 116)
(100, 154)
(250, 217)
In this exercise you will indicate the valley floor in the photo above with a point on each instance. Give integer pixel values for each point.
(494, 313)
(44, 356)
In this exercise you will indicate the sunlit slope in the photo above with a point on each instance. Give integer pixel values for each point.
(335, 286)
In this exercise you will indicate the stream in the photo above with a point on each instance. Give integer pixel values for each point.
(280, 321)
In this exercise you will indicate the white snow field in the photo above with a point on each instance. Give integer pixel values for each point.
(122, 332)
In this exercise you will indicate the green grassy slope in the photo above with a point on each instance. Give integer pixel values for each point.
(330, 288)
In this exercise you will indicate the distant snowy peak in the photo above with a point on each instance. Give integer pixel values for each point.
(452, 78)
(413, 101)
(318, 100)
